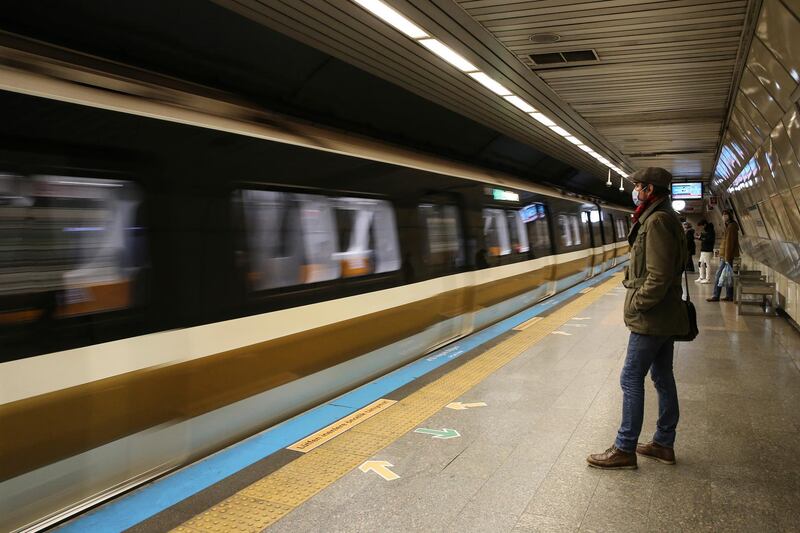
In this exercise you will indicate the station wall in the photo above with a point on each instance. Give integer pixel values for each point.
(757, 172)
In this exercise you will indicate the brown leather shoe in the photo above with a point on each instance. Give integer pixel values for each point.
(613, 459)
(660, 453)
(712, 299)
(727, 299)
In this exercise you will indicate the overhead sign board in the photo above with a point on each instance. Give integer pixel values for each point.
(687, 191)
(501, 194)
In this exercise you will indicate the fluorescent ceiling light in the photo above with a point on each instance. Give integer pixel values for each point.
(544, 119)
(574, 140)
(490, 84)
(392, 18)
(561, 131)
(446, 53)
(520, 103)
(587, 149)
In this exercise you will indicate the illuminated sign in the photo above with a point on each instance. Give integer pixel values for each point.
(687, 191)
(532, 212)
(509, 196)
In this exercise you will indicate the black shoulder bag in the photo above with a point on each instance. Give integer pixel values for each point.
(691, 313)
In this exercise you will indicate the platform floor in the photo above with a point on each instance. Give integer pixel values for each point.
(519, 464)
(538, 402)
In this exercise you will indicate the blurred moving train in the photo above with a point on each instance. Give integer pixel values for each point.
(168, 289)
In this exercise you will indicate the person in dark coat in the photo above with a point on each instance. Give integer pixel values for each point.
(707, 237)
(690, 246)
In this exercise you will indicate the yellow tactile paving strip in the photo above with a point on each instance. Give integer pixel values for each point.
(266, 501)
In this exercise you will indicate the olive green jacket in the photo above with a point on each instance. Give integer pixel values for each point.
(653, 277)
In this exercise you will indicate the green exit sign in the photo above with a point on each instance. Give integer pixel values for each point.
(509, 196)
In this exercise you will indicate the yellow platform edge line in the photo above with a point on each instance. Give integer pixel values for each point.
(266, 501)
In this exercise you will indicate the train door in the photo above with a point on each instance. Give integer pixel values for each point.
(443, 258)
(540, 236)
(592, 218)
(609, 242)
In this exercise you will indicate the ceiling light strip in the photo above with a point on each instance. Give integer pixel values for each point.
(393, 18)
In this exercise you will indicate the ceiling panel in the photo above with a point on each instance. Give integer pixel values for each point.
(660, 90)
(345, 30)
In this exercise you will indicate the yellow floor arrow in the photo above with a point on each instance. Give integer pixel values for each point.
(381, 468)
(459, 406)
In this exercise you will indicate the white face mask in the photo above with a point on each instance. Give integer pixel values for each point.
(635, 196)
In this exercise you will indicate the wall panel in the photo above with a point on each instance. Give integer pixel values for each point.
(758, 168)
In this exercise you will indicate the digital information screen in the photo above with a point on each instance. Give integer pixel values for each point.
(532, 212)
(687, 191)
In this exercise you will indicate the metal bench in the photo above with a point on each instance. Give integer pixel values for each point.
(745, 276)
(760, 288)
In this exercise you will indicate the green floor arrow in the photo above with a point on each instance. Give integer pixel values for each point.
(443, 433)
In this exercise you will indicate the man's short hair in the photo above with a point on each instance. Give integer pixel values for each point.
(702, 222)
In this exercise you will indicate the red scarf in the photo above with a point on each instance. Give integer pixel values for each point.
(642, 207)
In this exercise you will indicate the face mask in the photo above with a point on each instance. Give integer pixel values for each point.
(635, 196)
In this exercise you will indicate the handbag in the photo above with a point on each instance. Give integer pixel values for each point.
(691, 313)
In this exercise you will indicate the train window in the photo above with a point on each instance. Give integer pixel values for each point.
(495, 232)
(565, 230)
(535, 218)
(443, 232)
(274, 238)
(69, 246)
(294, 239)
(619, 224)
(319, 244)
(576, 230)
(593, 218)
(517, 233)
(570, 230)
(608, 227)
(368, 237)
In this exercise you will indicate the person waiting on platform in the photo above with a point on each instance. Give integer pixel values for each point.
(654, 313)
(707, 239)
(727, 253)
(690, 246)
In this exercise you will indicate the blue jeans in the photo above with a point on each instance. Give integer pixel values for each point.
(648, 352)
(717, 288)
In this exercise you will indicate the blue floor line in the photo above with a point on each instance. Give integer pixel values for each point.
(143, 503)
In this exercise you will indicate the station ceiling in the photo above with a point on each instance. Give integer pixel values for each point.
(646, 83)
(659, 86)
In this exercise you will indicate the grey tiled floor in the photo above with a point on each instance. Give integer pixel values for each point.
(520, 462)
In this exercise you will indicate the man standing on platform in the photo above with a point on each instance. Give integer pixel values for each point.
(727, 253)
(654, 314)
